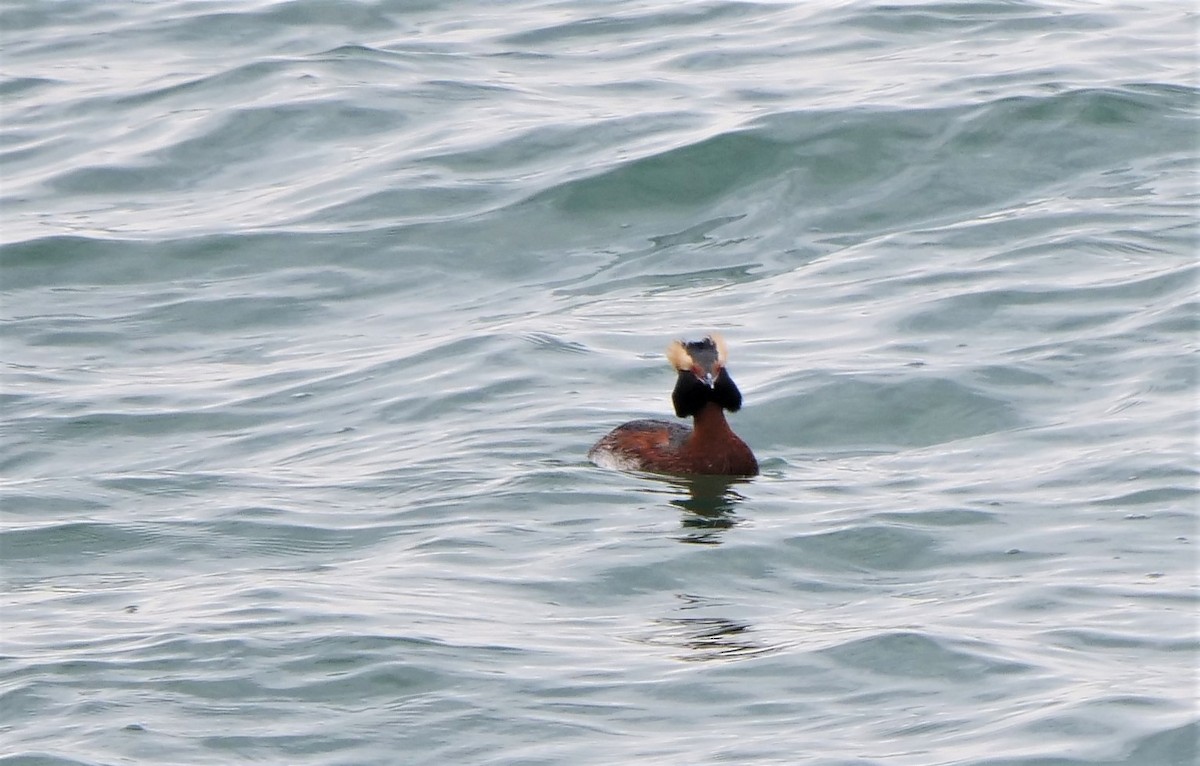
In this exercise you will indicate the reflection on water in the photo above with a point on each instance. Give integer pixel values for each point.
(705, 638)
(709, 503)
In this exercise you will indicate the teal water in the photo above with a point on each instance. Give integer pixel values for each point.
(312, 310)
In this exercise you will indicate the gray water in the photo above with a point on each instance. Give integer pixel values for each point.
(312, 310)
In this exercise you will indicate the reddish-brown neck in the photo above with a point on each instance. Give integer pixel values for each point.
(709, 426)
(714, 448)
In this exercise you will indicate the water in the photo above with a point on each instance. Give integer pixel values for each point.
(312, 311)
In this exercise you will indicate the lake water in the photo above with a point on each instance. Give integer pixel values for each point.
(312, 310)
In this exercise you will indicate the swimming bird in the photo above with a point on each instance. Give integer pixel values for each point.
(703, 392)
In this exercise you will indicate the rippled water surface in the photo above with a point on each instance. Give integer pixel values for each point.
(312, 310)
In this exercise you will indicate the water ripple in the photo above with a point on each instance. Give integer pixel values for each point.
(311, 312)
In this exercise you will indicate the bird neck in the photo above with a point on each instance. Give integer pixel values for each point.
(709, 425)
(714, 448)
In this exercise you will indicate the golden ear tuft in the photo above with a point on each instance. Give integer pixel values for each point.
(722, 350)
(678, 356)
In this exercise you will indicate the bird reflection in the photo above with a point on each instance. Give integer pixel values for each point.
(706, 638)
(709, 504)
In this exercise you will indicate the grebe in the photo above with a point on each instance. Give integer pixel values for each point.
(703, 391)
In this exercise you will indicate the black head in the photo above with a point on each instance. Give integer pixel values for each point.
(702, 376)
